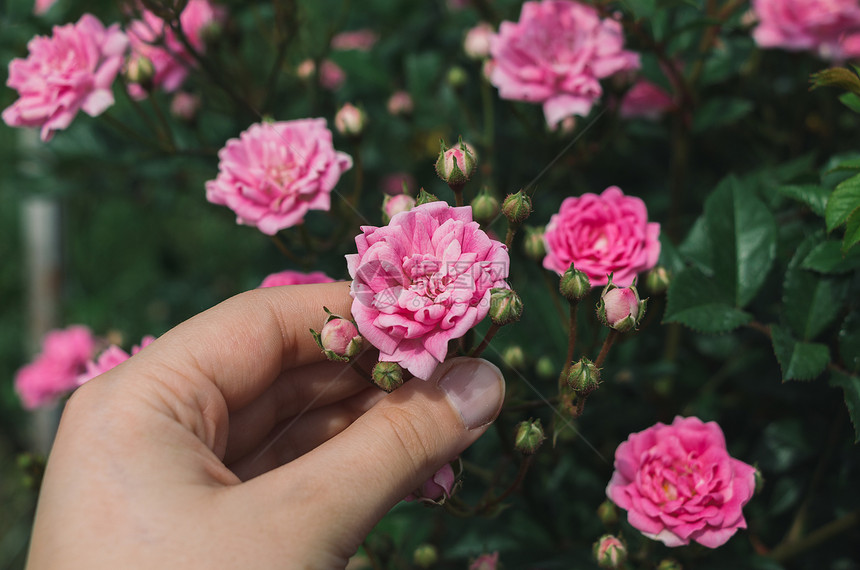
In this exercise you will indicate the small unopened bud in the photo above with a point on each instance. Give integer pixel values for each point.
(529, 437)
(438, 488)
(574, 284)
(350, 120)
(400, 103)
(517, 207)
(669, 564)
(425, 556)
(534, 244)
(607, 512)
(184, 106)
(387, 375)
(340, 337)
(393, 205)
(477, 41)
(457, 77)
(485, 562)
(456, 164)
(505, 306)
(583, 377)
(545, 367)
(514, 357)
(485, 207)
(657, 280)
(620, 308)
(425, 197)
(610, 552)
(140, 70)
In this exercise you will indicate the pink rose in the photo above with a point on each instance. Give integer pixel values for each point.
(439, 486)
(620, 308)
(393, 205)
(275, 172)
(831, 28)
(289, 277)
(361, 40)
(477, 41)
(678, 483)
(400, 103)
(43, 6)
(423, 280)
(604, 234)
(70, 71)
(112, 357)
(350, 120)
(55, 370)
(153, 39)
(340, 336)
(645, 100)
(485, 562)
(555, 55)
(185, 105)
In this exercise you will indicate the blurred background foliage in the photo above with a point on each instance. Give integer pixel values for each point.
(142, 250)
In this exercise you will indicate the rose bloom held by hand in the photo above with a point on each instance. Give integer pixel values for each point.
(678, 483)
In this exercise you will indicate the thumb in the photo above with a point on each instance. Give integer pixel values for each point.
(401, 442)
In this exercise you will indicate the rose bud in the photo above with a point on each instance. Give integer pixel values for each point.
(534, 244)
(425, 556)
(140, 70)
(574, 284)
(425, 197)
(485, 207)
(620, 308)
(393, 205)
(387, 375)
(340, 337)
(583, 377)
(657, 280)
(529, 437)
(455, 165)
(184, 106)
(514, 357)
(457, 77)
(610, 552)
(517, 207)
(477, 41)
(545, 367)
(607, 512)
(505, 306)
(438, 488)
(350, 120)
(485, 562)
(400, 103)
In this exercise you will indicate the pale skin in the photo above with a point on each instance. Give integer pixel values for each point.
(230, 443)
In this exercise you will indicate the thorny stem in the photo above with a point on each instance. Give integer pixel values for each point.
(488, 505)
(604, 350)
(509, 237)
(494, 328)
(458, 193)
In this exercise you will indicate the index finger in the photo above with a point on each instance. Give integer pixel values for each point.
(244, 343)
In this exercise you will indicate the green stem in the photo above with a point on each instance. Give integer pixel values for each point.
(554, 295)
(487, 506)
(571, 343)
(478, 350)
(164, 132)
(789, 551)
(604, 350)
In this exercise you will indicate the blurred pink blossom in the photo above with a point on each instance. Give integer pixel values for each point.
(111, 357)
(678, 483)
(477, 41)
(361, 40)
(331, 74)
(602, 234)
(275, 172)
(43, 6)
(485, 562)
(72, 70)
(555, 56)
(290, 277)
(645, 100)
(54, 371)
(400, 103)
(153, 39)
(393, 205)
(423, 280)
(185, 105)
(393, 183)
(830, 28)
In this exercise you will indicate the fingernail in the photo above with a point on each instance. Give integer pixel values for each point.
(475, 389)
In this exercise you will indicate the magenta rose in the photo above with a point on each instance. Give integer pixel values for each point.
(678, 483)
(275, 172)
(830, 28)
(555, 55)
(151, 38)
(70, 71)
(602, 234)
(360, 40)
(55, 370)
(110, 358)
(290, 277)
(423, 280)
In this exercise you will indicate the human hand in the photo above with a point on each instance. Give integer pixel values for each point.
(229, 443)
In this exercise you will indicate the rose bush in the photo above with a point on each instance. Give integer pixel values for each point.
(275, 172)
(602, 234)
(678, 483)
(831, 28)
(423, 280)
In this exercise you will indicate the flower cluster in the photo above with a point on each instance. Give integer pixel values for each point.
(110, 358)
(55, 370)
(830, 28)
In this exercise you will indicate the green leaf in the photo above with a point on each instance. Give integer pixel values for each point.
(844, 200)
(852, 165)
(720, 112)
(851, 389)
(849, 342)
(851, 101)
(697, 246)
(696, 300)
(827, 257)
(812, 195)
(798, 360)
(852, 233)
(743, 235)
(810, 301)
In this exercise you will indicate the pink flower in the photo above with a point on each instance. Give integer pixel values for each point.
(620, 308)
(393, 183)
(556, 54)
(485, 562)
(831, 28)
(341, 337)
(43, 6)
(55, 370)
(289, 277)
(70, 71)
(110, 358)
(678, 483)
(645, 100)
(275, 172)
(185, 105)
(153, 39)
(350, 120)
(331, 75)
(423, 280)
(477, 41)
(393, 205)
(361, 40)
(439, 486)
(604, 234)
(400, 103)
